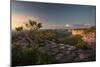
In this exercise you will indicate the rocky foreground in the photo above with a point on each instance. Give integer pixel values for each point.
(63, 53)
(67, 53)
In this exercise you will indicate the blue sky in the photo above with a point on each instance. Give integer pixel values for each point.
(54, 14)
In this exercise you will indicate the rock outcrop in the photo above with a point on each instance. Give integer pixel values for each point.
(66, 53)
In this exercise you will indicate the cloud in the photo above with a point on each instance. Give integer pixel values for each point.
(47, 26)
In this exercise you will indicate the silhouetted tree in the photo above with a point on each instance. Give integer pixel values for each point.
(19, 29)
(33, 25)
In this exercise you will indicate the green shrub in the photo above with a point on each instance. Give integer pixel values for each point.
(82, 45)
(16, 54)
(44, 58)
(30, 56)
(71, 40)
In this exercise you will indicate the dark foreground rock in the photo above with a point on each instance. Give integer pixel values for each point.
(63, 53)
(66, 53)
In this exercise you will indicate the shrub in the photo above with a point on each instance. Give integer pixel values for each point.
(82, 45)
(71, 40)
(16, 54)
(30, 56)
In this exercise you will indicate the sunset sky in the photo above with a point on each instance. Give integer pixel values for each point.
(51, 15)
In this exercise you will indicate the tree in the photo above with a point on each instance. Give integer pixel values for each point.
(19, 29)
(33, 25)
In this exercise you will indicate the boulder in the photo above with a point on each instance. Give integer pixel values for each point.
(81, 56)
(59, 56)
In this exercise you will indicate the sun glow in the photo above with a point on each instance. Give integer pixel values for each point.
(20, 20)
(16, 22)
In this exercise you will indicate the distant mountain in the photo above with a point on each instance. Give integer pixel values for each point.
(67, 26)
(74, 26)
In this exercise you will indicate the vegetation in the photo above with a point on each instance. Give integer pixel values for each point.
(33, 25)
(82, 45)
(29, 55)
(71, 40)
(19, 29)
(91, 29)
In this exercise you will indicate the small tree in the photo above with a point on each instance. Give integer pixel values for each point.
(83, 45)
(33, 25)
(19, 29)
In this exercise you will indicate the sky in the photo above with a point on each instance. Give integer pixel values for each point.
(52, 15)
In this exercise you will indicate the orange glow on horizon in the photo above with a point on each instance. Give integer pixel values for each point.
(20, 20)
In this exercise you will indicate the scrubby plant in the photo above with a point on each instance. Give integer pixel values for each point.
(33, 25)
(83, 45)
(29, 56)
(71, 40)
(19, 29)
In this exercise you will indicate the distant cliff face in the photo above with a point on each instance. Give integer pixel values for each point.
(77, 32)
(88, 37)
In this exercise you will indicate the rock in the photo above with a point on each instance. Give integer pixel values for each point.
(62, 47)
(77, 59)
(72, 48)
(81, 56)
(61, 44)
(51, 48)
(67, 46)
(54, 51)
(51, 44)
(58, 56)
(80, 50)
(67, 52)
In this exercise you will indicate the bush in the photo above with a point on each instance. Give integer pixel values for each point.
(16, 54)
(29, 56)
(82, 45)
(71, 40)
